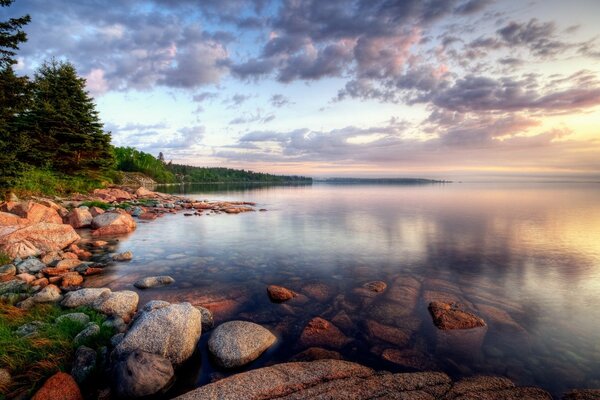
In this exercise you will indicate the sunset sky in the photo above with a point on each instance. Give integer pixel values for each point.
(453, 89)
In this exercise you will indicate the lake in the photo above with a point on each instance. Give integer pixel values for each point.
(525, 257)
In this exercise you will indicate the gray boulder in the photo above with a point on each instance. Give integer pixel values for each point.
(116, 323)
(83, 297)
(84, 364)
(207, 318)
(121, 304)
(171, 331)
(142, 374)
(153, 281)
(7, 272)
(237, 343)
(14, 286)
(89, 332)
(30, 329)
(30, 266)
(49, 294)
(75, 317)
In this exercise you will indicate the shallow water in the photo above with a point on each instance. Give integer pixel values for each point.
(525, 257)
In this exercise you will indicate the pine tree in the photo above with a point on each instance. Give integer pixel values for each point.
(11, 35)
(64, 125)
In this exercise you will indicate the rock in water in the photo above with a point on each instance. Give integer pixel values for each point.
(84, 364)
(33, 240)
(447, 317)
(59, 386)
(237, 343)
(112, 223)
(153, 281)
(171, 331)
(125, 256)
(208, 320)
(322, 333)
(79, 218)
(279, 294)
(142, 374)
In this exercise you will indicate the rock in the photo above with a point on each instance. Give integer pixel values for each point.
(5, 380)
(32, 240)
(83, 297)
(79, 218)
(83, 364)
(71, 280)
(112, 223)
(122, 303)
(11, 219)
(153, 281)
(49, 294)
(408, 358)
(207, 318)
(112, 194)
(99, 243)
(142, 192)
(59, 386)
(25, 277)
(375, 286)
(35, 213)
(447, 317)
(96, 211)
(125, 256)
(318, 291)
(388, 333)
(91, 330)
(279, 294)
(30, 266)
(30, 329)
(68, 263)
(582, 394)
(14, 286)
(7, 272)
(137, 211)
(148, 216)
(237, 343)
(317, 353)
(116, 323)
(171, 331)
(79, 317)
(142, 374)
(116, 339)
(322, 333)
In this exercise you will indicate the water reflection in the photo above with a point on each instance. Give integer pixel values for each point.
(524, 257)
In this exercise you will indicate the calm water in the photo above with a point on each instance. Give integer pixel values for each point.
(525, 257)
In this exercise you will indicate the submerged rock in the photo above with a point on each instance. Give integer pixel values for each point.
(322, 333)
(280, 294)
(375, 286)
(171, 331)
(237, 343)
(125, 256)
(153, 281)
(448, 317)
(142, 374)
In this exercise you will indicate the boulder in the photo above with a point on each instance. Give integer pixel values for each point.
(237, 343)
(112, 223)
(142, 192)
(142, 374)
(68, 263)
(80, 218)
(13, 286)
(71, 280)
(49, 294)
(375, 286)
(81, 318)
(388, 333)
(7, 272)
(171, 331)
(25, 277)
(94, 211)
(36, 213)
(83, 297)
(153, 281)
(83, 364)
(30, 266)
(317, 353)
(448, 317)
(59, 386)
(322, 333)
(279, 294)
(90, 331)
(11, 219)
(208, 320)
(125, 256)
(122, 304)
(112, 194)
(32, 240)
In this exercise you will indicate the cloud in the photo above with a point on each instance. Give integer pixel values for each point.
(250, 118)
(279, 100)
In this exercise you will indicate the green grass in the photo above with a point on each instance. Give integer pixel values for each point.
(31, 360)
(37, 181)
(96, 203)
(4, 258)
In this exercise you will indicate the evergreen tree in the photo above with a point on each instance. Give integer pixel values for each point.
(11, 35)
(63, 124)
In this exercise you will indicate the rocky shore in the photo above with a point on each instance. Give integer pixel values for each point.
(55, 244)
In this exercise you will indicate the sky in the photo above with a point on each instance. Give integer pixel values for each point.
(447, 89)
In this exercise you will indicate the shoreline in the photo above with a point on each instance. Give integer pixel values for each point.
(127, 311)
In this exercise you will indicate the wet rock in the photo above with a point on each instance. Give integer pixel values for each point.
(322, 333)
(448, 317)
(408, 358)
(279, 294)
(31, 266)
(112, 223)
(32, 240)
(79, 218)
(172, 331)
(99, 243)
(207, 318)
(125, 256)
(59, 386)
(7, 272)
(387, 333)
(83, 297)
(343, 321)
(316, 353)
(148, 216)
(142, 374)
(36, 213)
(582, 394)
(49, 294)
(90, 331)
(153, 281)
(319, 291)
(404, 292)
(82, 318)
(500, 318)
(237, 343)
(83, 364)
(375, 286)
(122, 304)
